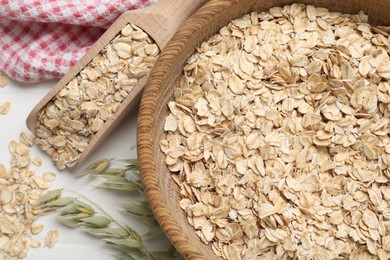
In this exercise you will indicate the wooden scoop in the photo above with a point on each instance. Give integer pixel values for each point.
(160, 21)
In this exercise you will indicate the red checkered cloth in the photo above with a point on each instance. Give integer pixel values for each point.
(42, 39)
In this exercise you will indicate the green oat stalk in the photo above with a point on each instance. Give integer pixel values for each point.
(85, 214)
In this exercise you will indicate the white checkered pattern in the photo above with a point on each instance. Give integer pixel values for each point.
(42, 39)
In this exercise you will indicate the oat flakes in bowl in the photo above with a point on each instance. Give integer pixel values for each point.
(276, 135)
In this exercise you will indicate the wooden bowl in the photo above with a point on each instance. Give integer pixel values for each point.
(162, 191)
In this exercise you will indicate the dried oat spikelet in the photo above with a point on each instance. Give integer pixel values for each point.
(125, 179)
(87, 215)
(96, 167)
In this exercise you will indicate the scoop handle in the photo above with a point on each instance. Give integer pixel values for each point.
(163, 19)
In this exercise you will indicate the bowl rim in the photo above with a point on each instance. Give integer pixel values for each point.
(146, 118)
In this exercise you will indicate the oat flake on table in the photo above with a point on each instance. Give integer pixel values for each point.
(20, 187)
(279, 135)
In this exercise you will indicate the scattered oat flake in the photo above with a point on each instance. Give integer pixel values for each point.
(5, 108)
(35, 242)
(37, 161)
(36, 228)
(20, 187)
(49, 176)
(51, 238)
(26, 138)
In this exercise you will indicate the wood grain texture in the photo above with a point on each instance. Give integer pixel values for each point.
(160, 21)
(161, 190)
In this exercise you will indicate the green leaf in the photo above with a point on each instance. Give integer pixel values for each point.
(154, 230)
(124, 242)
(84, 207)
(131, 163)
(113, 172)
(98, 221)
(108, 232)
(69, 209)
(61, 202)
(96, 167)
(126, 187)
(49, 196)
(133, 172)
(140, 209)
(115, 179)
(131, 231)
(68, 221)
(136, 236)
